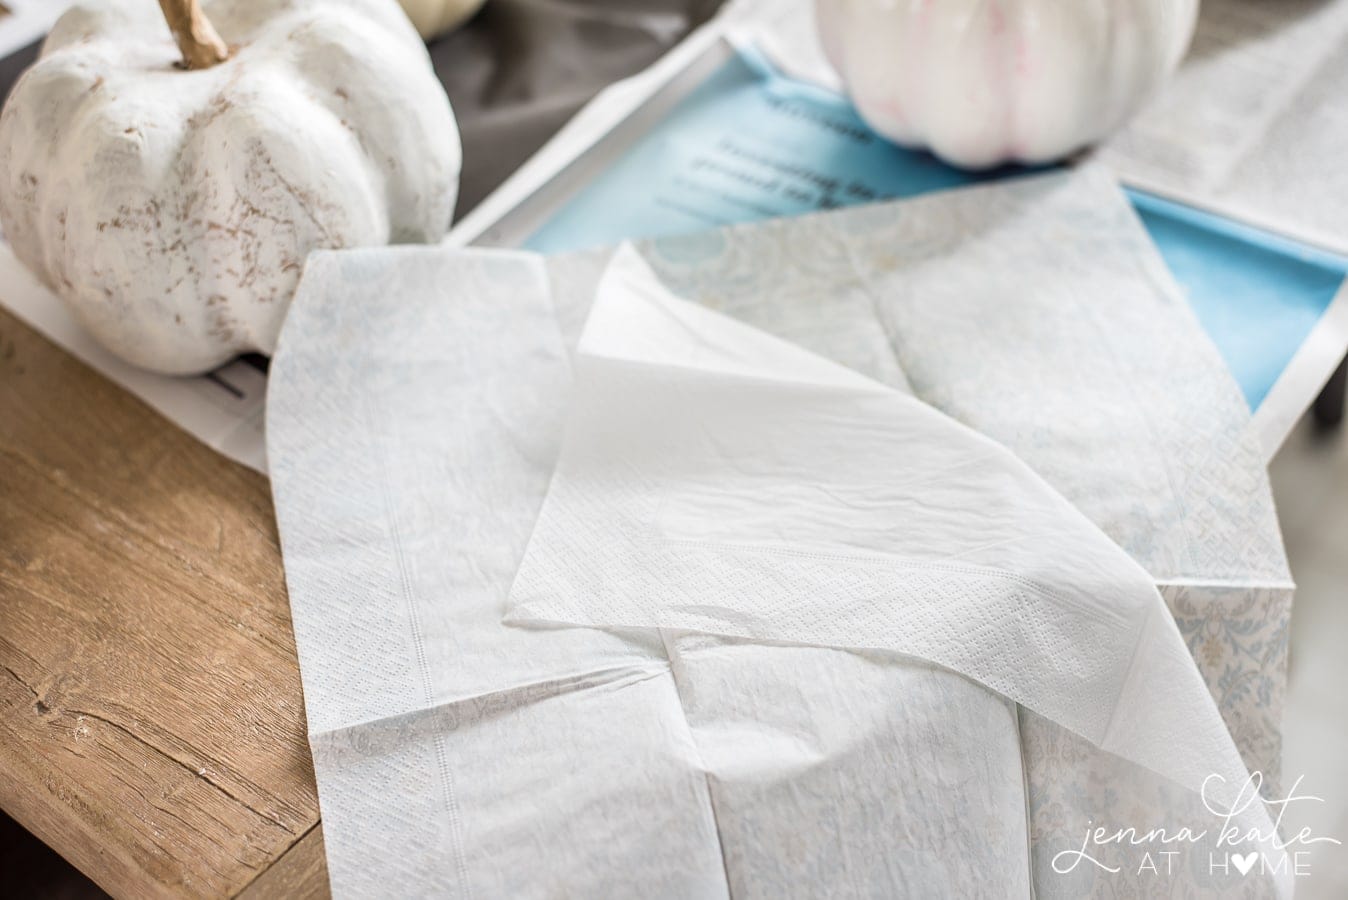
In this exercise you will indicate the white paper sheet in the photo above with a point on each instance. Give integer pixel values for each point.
(416, 412)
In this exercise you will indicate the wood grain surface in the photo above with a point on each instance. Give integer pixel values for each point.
(301, 874)
(151, 722)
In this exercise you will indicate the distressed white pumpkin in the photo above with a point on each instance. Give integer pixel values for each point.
(981, 82)
(174, 209)
(435, 17)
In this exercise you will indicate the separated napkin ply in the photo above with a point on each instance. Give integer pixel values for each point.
(715, 479)
(780, 629)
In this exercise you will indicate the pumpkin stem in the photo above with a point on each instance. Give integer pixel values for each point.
(197, 39)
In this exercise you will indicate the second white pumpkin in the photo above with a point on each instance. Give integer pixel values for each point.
(982, 82)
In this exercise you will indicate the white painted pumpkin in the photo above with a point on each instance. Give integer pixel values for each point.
(435, 17)
(981, 82)
(173, 209)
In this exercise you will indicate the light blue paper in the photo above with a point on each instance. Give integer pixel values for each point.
(750, 143)
(1256, 294)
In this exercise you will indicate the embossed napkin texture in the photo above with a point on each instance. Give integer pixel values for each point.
(781, 628)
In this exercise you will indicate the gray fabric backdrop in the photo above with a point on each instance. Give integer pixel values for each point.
(520, 68)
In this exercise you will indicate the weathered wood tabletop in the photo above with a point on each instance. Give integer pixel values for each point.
(153, 727)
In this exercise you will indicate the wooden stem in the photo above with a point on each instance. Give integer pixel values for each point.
(201, 47)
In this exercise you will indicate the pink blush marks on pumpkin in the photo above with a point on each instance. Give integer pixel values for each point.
(1024, 67)
(997, 20)
(891, 108)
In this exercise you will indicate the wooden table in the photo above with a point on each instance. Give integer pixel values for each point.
(151, 722)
